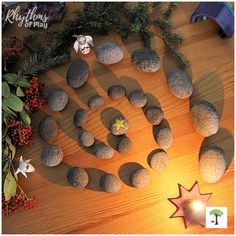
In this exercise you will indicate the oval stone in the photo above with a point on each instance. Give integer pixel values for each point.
(110, 183)
(103, 151)
(77, 177)
(51, 155)
(140, 178)
(95, 102)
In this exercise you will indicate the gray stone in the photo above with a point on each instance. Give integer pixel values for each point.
(86, 138)
(146, 60)
(138, 98)
(103, 151)
(48, 128)
(119, 126)
(116, 92)
(180, 84)
(124, 144)
(110, 183)
(80, 117)
(77, 73)
(154, 115)
(57, 99)
(212, 164)
(77, 177)
(158, 160)
(51, 155)
(109, 53)
(140, 178)
(95, 102)
(205, 118)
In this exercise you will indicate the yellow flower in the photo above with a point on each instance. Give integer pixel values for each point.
(119, 124)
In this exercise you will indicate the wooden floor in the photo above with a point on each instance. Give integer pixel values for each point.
(64, 209)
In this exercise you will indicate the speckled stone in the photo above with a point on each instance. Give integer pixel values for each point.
(110, 183)
(124, 144)
(80, 117)
(77, 73)
(212, 164)
(109, 53)
(163, 135)
(86, 138)
(205, 118)
(103, 151)
(51, 155)
(57, 99)
(95, 102)
(140, 178)
(146, 60)
(48, 128)
(154, 115)
(138, 98)
(77, 177)
(114, 126)
(158, 160)
(180, 84)
(116, 92)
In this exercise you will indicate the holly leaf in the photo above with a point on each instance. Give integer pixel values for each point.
(14, 103)
(23, 82)
(25, 117)
(10, 186)
(8, 110)
(10, 78)
(19, 92)
(11, 146)
(6, 90)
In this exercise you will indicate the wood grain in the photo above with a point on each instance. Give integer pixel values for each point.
(63, 209)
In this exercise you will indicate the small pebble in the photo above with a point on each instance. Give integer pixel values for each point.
(109, 53)
(180, 84)
(212, 164)
(95, 102)
(80, 117)
(77, 73)
(158, 160)
(77, 177)
(124, 144)
(57, 99)
(138, 98)
(146, 60)
(110, 183)
(116, 92)
(163, 135)
(205, 118)
(119, 126)
(154, 115)
(140, 178)
(103, 151)
(51, 155)
(86, 138)
(48, 128)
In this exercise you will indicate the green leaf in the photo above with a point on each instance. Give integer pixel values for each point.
(10, 78)
(6, 90)
(23, 82)
(8, 110)
(25, 117)
(10, 186)
(12, 147)
(14, 103)
(19, 92)
(26, 107)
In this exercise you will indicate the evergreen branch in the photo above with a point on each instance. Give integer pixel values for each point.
(171, 7)
(164, 24)
(173, 38)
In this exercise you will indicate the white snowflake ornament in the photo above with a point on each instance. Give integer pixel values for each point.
(24, 167)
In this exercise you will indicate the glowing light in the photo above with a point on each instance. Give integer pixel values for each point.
(197, 205)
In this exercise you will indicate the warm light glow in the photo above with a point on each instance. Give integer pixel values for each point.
(197, 205)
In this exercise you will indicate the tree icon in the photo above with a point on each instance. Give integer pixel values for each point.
(217, 213)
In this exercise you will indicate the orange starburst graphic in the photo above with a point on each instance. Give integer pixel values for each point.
(190, 205)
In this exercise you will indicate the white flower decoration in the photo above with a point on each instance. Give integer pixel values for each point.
(24, 167)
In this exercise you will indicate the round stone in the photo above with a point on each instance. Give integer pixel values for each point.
(57, 99)
(140, 178)
(80, 117)
(110, 183)
(103, 151)
(158, 160)
(205, 118)
(180, 84)
(146, 60)
(77, 73)
(119, 126)
(138, 98)
(116, 92)
(154, 115)
(51, 155)
(212, 164)
(48, 128)
(124, 144)
(109, 53)
(163, 135)
(95, 102)
(86, 138)
(77, 177)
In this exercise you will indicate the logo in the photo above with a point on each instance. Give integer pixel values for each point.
(216, 217)
(28, 19)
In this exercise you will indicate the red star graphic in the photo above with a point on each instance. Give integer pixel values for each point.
(190, 205)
